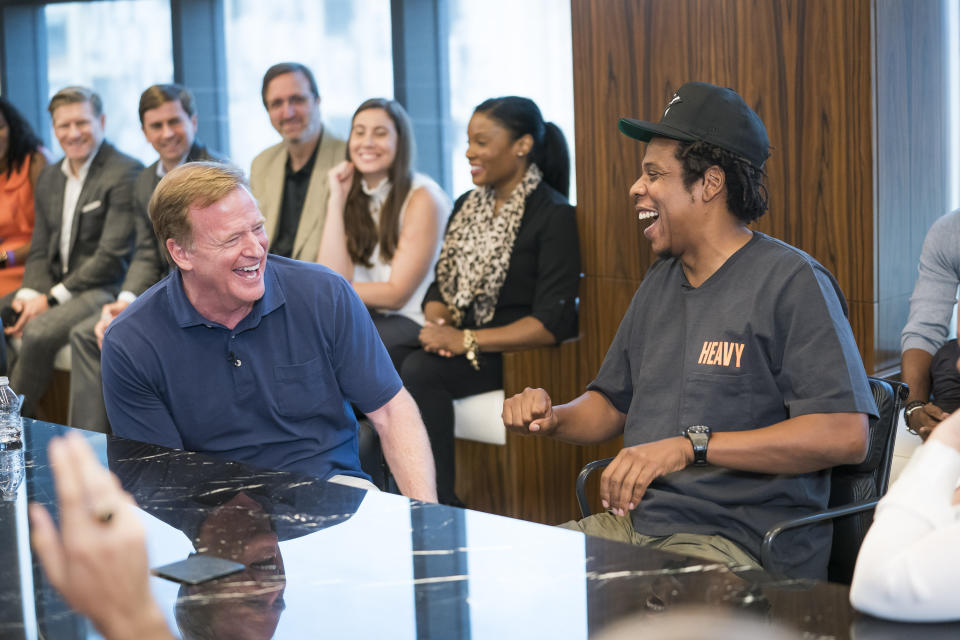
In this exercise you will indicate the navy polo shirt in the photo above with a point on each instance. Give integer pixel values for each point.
(276, 391)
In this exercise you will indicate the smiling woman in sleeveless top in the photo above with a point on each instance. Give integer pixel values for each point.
(384, 221)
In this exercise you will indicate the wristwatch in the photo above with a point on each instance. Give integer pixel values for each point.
(52, 300)
(699, 436)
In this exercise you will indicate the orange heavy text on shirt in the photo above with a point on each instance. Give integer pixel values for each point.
(721, 353)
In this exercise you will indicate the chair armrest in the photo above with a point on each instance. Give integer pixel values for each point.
(589, 468)
(766, 549)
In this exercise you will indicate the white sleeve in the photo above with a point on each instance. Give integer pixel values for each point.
(909, 564)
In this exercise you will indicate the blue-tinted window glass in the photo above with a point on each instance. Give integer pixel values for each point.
(118, 49)
(507, 47)
(351, 59)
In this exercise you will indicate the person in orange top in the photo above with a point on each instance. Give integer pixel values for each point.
(22, 156)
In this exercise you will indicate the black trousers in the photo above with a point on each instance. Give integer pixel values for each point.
(435, 382)
(945, 378)
(400, 335)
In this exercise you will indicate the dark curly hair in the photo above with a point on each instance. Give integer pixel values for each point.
(22, 140)
(747, 196)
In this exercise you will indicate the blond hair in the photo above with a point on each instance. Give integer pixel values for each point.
(193, 185)
(73, 95)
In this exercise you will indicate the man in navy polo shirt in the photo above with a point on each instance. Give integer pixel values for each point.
(253, 358)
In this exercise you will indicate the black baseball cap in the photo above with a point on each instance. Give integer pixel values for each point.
(718, 116)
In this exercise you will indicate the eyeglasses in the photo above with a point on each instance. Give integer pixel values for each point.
(296, 100)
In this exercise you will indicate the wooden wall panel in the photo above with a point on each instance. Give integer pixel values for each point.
(862, 316)
(605, 88)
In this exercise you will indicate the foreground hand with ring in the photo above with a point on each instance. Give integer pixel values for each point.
(104, 516)
(97, 558)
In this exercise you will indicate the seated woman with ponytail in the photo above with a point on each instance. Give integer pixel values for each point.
(508, 271)
(382, 230)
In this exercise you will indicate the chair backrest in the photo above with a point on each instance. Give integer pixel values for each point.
(865, 481)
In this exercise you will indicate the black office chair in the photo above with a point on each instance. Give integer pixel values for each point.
(370, 453)
(854, 489)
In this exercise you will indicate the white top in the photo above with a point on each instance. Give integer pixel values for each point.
(71, 195)
(909, 566)
(380, 271)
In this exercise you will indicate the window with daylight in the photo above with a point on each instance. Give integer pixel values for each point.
(537, 63)
(118, 49)
(345, 43)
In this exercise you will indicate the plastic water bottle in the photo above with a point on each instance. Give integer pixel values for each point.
(10, 424)
(11, 473)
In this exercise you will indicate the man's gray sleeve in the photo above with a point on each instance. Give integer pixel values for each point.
(935, 294)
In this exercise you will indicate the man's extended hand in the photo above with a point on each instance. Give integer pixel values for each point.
(530, 411)
(924, 420)
(107, 314)
(28, 310)
(624, 482)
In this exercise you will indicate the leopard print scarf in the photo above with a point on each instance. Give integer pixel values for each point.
(476, 249)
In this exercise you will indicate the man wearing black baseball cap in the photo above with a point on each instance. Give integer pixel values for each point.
(734, 377)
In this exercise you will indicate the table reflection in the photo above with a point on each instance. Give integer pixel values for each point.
(324, 560)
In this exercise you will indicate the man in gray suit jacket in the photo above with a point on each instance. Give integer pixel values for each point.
(289, 179)
(169, 120)
(82, 239)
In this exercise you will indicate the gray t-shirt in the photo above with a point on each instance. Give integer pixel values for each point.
(935, 294)
(764, 339)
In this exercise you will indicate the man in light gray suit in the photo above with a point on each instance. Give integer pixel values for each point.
(169, 121)
(289, 179)
(82, 239)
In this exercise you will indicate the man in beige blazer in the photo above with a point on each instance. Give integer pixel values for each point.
(289, 179)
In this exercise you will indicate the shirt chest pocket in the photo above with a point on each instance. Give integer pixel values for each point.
(89, 222)
(723, 402)
(304, 390)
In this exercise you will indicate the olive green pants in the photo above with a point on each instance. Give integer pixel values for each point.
(620, 528)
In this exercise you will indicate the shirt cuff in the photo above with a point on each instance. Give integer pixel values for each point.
(26, 294)
(61, 293)
(126, 296)
(919, 342)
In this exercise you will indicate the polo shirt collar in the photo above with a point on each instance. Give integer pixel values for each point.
(187, 316)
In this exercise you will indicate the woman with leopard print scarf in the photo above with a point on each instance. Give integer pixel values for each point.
(508, 271)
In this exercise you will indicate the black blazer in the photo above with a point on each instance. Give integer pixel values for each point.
(544, 273)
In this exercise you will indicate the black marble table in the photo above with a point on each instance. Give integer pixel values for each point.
(324, 560)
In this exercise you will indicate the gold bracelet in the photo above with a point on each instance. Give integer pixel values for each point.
(472, 348)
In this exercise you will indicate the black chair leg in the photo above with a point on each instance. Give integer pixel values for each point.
(371, 455)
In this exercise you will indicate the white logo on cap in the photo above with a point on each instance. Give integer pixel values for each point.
(673, 101)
